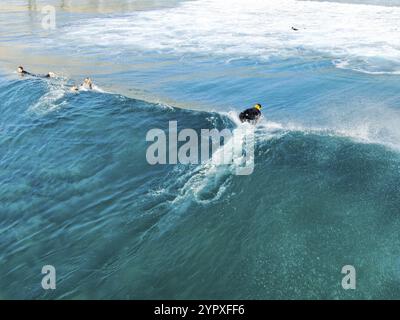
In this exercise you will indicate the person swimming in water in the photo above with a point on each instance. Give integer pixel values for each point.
(21, 71)
(87, 84)
(251, 115)
(74, 88)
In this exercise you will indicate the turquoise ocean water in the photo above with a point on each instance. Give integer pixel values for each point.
(77, 192)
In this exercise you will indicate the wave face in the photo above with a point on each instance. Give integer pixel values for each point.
(76, 192)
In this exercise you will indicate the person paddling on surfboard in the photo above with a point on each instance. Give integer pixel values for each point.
(251, 115)
(21, 71)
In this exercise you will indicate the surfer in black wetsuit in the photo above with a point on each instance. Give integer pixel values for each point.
(22, 72)
(251, 115)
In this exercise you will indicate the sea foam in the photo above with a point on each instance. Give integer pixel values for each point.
(355, 36)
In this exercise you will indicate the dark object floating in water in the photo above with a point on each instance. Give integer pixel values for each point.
(295, 29)
(251, 115)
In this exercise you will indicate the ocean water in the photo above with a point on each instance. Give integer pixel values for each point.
(76, 191)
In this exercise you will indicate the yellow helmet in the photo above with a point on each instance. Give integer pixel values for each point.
(258, 106)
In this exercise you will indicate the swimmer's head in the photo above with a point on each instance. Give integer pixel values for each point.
(20, 69)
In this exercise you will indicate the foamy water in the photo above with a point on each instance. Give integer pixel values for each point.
(355, 36)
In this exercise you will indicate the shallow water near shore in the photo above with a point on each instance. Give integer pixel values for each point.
(77, 192)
